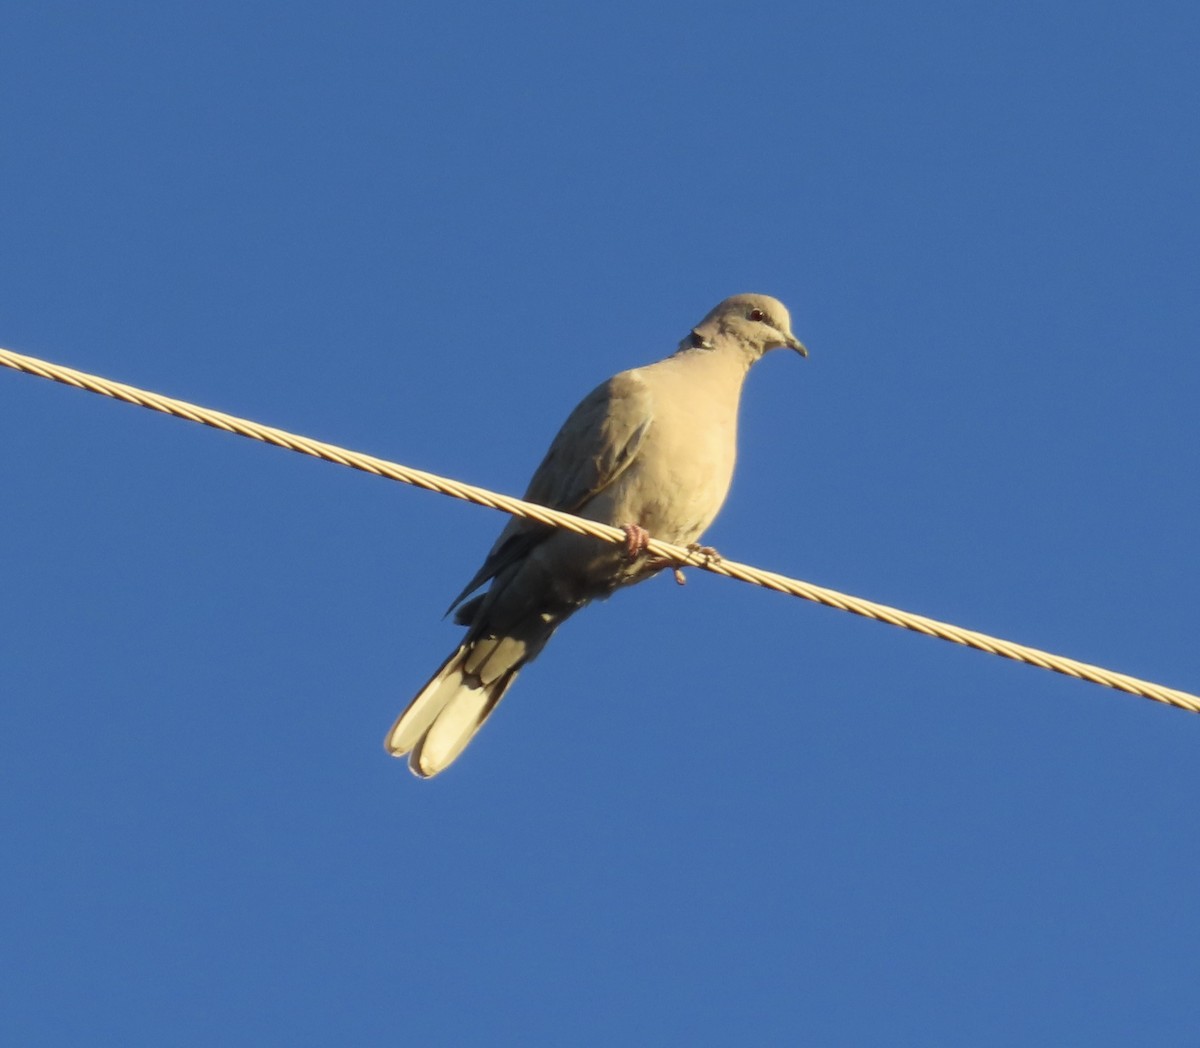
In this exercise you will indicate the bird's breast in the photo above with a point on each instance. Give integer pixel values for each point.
(682, 473)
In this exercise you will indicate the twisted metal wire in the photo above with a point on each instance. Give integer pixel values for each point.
(671, 553)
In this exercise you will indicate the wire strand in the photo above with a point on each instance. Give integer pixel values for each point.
(674, 554)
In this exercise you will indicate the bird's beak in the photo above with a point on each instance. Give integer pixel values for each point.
(794, 343)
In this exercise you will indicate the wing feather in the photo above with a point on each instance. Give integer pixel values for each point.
(597, 443)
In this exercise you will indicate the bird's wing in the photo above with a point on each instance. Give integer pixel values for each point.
(595, 446)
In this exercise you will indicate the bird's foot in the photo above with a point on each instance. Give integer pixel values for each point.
(710, 555)
(637, 539)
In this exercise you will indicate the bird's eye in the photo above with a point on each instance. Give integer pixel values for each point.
(756, 314)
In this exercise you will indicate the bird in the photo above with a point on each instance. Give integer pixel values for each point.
(650, 451)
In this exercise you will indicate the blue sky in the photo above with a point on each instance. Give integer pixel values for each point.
(710, 815)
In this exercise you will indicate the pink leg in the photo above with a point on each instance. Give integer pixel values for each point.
(637, 539)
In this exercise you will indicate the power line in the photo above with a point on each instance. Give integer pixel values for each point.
(555, 518)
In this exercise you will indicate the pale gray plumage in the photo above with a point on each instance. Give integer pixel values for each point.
(654, 447)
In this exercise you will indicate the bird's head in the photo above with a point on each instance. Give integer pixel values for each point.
(758, 322)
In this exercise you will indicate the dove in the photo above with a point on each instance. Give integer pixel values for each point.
(650, 451)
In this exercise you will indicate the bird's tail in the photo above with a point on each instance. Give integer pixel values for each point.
(450, 709)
